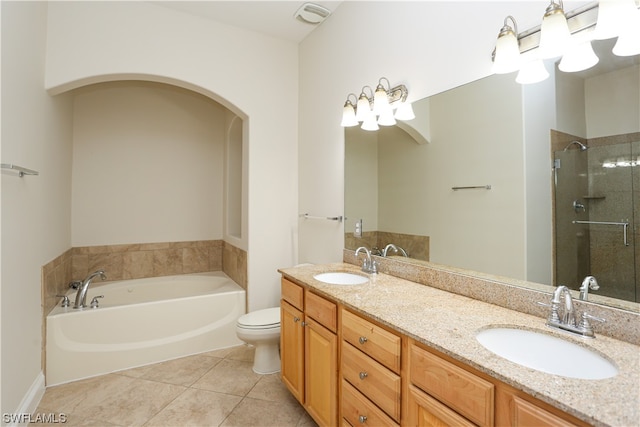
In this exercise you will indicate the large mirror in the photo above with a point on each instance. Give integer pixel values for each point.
(492, 176)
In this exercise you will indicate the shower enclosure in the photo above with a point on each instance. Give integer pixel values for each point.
(597, 198)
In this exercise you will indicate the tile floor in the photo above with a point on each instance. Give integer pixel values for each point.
(209, 389)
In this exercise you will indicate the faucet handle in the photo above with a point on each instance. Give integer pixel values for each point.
(94, 301)
(585, 326)
(65, 300)
(553, 318)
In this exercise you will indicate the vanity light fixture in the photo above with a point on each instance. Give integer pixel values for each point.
(506, 58)
(554, 31)
(349, 113)
(568, 35)
(377, 109)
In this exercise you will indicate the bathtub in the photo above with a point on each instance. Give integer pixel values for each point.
(140, 322)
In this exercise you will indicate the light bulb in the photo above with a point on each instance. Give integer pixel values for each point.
(363, 108)
(348, 115)
(578, 58)
(507, 56)
(380, 100)
(554, 32)
(405, 111)
(532, 72)
(370, 122)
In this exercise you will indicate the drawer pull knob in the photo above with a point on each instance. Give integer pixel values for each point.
(362, 340)
(362, 419)
(304, 323)
(296, 319)
(363, 375)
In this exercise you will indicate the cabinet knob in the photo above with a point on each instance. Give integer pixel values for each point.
(363, 375)
(296, 319)
(362, 340)
(304, 323)
(362, 419)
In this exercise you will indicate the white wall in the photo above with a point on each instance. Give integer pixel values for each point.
(147, 165)
(418, 48)
(609, 109)
(36, 133)
(253, 75)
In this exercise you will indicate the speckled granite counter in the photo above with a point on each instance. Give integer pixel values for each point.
(448, 322)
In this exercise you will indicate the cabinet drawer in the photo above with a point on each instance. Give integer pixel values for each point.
(424, 410)
(322, 310)
(358, 410)
(528, 414)
(372, 379)
(378, 343)
(292, 293)
(462, 391)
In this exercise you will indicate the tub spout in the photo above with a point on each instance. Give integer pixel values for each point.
(81, 295)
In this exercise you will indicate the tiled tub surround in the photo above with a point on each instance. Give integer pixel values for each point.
(136, 261)
(448, 323)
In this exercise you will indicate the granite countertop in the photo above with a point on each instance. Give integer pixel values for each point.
(448, 323)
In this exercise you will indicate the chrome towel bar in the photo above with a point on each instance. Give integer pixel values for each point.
(485, 187)
(330, 218)
(625, 226)
(21, 171)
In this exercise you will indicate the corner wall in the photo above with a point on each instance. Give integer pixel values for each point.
(36, 210)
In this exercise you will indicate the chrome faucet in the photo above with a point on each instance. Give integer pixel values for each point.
(568, 320)
(589, 282)
(81, 295)
(368, 265)
(395, 248)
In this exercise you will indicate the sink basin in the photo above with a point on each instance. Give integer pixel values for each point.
(546, 353)
(341, 278)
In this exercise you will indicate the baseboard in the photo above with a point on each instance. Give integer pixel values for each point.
(31, 400)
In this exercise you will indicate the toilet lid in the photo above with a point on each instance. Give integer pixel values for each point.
(266, 318)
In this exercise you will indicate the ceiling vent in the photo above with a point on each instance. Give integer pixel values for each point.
(311, 13)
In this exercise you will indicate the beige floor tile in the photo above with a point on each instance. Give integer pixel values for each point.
(243, 352)
(183, 371)
(223, 353)
(255, 412)
(306, 421)
(126, 401)
(196, 408)
(229, 376)
(271, 387)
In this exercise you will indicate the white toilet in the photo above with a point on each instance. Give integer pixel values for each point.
(261, 329)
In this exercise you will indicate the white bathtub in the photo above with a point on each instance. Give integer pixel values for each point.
(140, 322)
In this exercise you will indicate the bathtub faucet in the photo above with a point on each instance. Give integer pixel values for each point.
(81, 295)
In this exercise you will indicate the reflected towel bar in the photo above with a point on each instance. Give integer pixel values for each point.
(330, 218)
(21, 171)
(485, 187)
(625, 226)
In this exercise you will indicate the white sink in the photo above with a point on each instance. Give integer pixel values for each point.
(546, 353)
(341, 278)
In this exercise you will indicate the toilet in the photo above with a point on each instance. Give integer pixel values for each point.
(261, 329)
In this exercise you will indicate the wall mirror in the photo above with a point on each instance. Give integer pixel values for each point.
(496, 183)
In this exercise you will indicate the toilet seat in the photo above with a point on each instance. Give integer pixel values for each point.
(267, 318)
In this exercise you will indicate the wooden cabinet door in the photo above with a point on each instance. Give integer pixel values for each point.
(292, 349)
(425, 411)
(321, 373)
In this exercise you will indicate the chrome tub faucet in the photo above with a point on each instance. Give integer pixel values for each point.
(395, 248)
(81, 295)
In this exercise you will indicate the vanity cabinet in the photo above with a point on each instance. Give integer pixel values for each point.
(370, 366)
(346, 369)
(309, 351)
(441, 390)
